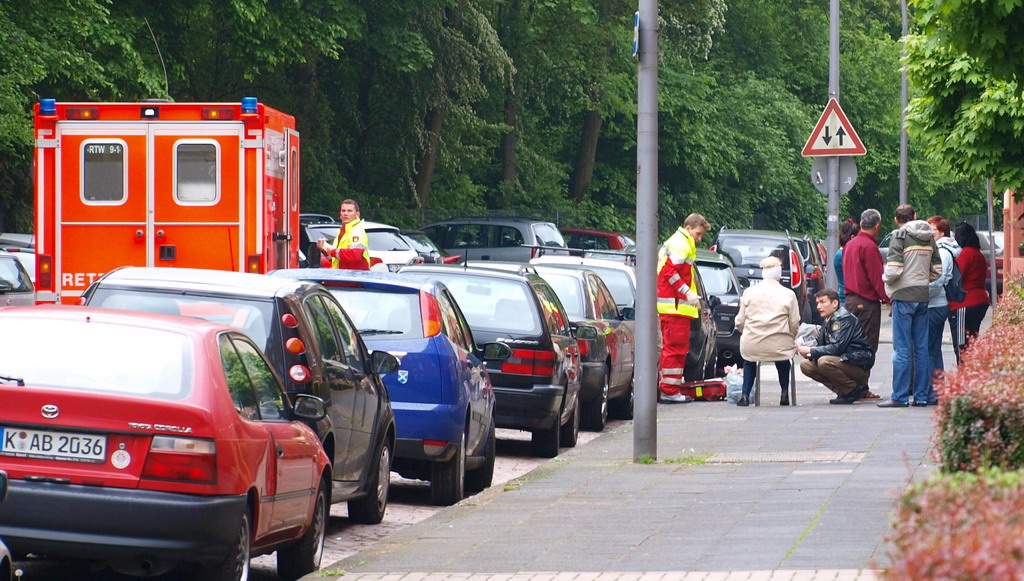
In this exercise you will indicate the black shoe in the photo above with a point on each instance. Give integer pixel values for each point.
(847, 399)
(784, 400)
(921, 404)
(743, 402)
(892, 404)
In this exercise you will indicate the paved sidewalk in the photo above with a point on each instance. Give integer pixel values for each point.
(771, 493)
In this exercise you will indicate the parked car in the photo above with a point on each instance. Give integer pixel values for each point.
(27, 258)
(746, 248)
(6, 560)
(723, 294)
(429, 252)
(441, 393)
(607, 344)
(307, 218)
(537, 387)
(815, 268)
(702, 360)
(16, 286)
(16, 240)
(587, 239)
(508, 239)
(387, 246)
(153, 442)
(311, 343)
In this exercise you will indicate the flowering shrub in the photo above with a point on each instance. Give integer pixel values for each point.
(963, 526)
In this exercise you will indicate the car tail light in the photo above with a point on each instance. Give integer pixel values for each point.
(44, 274)
(713, 248)
(430, 311)
(530, 362)
(289, 320)
(796, 277)
(299, 373)
(252, 264)
(295, 346)
(187, 459)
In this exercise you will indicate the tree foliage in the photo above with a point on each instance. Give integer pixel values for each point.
(424, 109)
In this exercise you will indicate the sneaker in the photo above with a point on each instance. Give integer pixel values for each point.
(677, 398)
(892, 404)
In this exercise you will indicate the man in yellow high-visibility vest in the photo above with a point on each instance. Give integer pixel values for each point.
(678, 304)
(350, 248)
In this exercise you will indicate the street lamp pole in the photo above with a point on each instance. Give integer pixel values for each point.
(903, 112)
(645, 433)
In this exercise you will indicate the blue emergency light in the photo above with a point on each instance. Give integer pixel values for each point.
(249, 106)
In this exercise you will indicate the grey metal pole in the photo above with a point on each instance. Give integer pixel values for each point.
(903, 113)
(832, 226)
(645, 417)
(992, 249)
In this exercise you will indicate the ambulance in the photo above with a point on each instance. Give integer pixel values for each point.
(156, 183)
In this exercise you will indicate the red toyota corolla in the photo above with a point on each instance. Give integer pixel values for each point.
(151, 441)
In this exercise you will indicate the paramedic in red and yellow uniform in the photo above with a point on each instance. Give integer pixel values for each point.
(678, 304)
(350, 248)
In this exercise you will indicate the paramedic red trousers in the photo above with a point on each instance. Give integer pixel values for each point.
(675, 346)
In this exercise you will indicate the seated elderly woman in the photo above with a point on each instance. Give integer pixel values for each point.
(769, 318)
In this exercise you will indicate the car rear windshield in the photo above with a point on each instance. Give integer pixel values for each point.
(97, 357)
(252, 316)
(382, 314)
(493, 304)
(548, 235)
(751, 250)
(569, 292)
(13, 278)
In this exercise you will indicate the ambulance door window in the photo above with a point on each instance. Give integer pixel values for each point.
(197, 173)
(104, 172)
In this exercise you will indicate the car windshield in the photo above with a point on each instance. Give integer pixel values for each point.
(421, 243)
(567, 287)
(377, 313)
(717, 278)
(246, 314)
(548, 235)
(751, 250)
(493, 304)
(97, 357)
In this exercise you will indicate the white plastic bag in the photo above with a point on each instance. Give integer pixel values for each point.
(733, 383)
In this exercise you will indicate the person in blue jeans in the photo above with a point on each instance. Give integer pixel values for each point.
(938, 304)
(912, 263)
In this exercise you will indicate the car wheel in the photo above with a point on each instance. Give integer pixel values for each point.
(448, 479)
(370, 509)
(304, 555)
(481, 478)
(622, 407)
(544, 443)
(236, 566)
(711, 369)
(570, 435)
(595, 412)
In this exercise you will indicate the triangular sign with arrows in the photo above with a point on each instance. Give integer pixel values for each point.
(833, 135)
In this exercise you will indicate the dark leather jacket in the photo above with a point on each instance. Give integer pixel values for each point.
(841, 335)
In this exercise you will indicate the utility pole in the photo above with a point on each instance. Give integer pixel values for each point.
(645, 433)
(832, 225)
(903, 113)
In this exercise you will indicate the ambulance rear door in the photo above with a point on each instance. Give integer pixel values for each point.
(198, 208)
(101, 214)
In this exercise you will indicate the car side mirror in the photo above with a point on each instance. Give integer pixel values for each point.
(628, 314)
(309, 407)
(714, 301)
(383, 362)
(585, 332)
(497, 351)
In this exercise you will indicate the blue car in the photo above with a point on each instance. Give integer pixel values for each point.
(441, 393)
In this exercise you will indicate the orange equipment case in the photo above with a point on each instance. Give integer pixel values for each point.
(156, 183)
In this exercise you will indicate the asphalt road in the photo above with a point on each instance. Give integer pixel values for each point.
(409, 504)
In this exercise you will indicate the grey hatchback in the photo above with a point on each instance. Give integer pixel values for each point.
(494, 238)
(16, 286)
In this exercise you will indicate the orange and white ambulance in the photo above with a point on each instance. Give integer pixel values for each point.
(156, 183)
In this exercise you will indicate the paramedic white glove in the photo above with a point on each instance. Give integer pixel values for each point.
(692, 297)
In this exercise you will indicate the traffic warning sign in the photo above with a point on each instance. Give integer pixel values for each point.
(833, 135)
